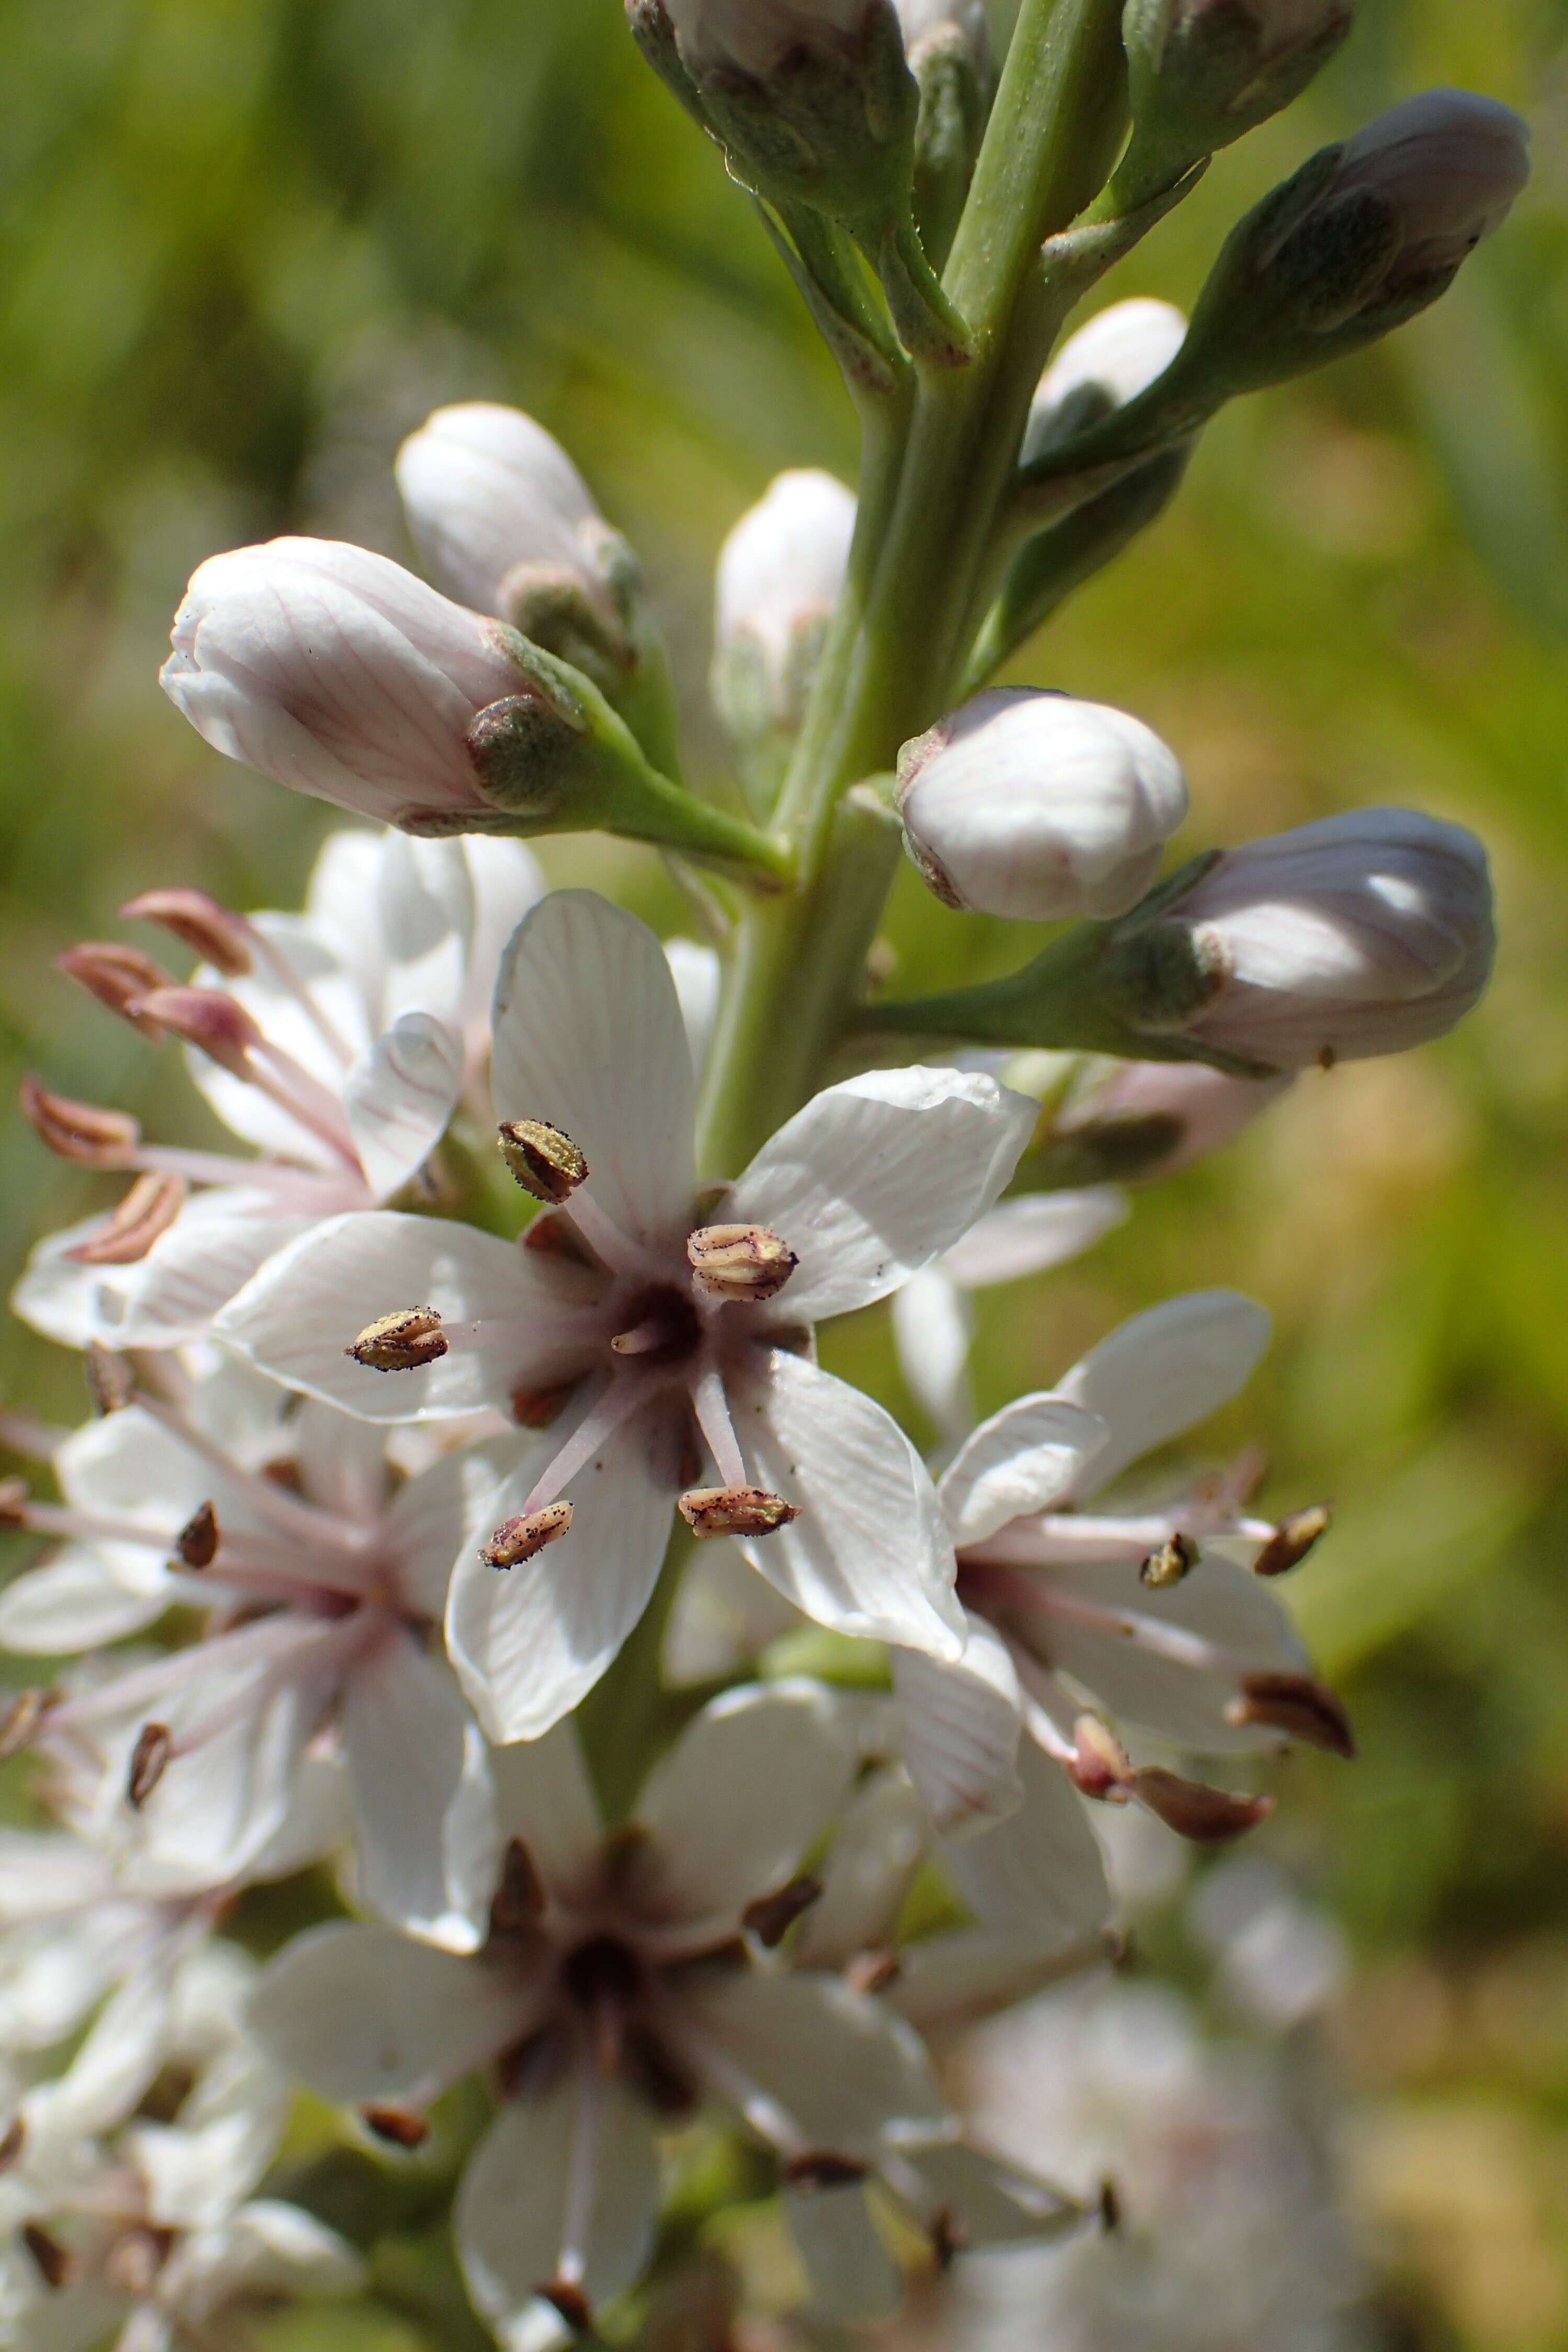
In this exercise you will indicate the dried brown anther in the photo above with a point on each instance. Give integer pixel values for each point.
(542, 1159)
(521, 1538)
(1291, 1541)
(735, 1511)
(110, 1381)
(196, 1545)
(821, 2169)
(149, 1209)
(948, 2238)
(771, 1916)
(1208, 1816)
(519, 1902)
(1299, 1706)
(149, 1762)
(117, 976)
(85, 1133)
(1110, 2208)
(746, 1263)
(14, 2142)
(1173, 1561)
(570, 2301)
(198, 922)
(404, 1342)
(50, 2259)
(395, 2125)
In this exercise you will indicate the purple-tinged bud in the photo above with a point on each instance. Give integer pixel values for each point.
(925, 22)
(1201, 73)
(1449, 164)
(484, 489)
(1132, 1122)
(779, 573)
(153, 1204)
(1035, 806)
(197, 921)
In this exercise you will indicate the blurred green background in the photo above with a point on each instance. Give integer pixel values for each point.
(247, 244)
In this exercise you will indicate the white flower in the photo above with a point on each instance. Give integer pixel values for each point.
(1449, 164)
(337, 1044)
(337, 673)
(610, 1315)
(614, 1997)
(1106, 363)
(754, 34)
(321, 1599)
(484, 489)
(1365, 933)
(1149, 1613)
(779, 573)
(1035, 806)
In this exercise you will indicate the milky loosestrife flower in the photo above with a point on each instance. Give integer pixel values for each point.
(640, 1757)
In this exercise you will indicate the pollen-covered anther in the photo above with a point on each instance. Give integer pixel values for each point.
(196, 1545)
(1292, 1539)
(822, 2170)
(771, 1916)
(119, 977)
(1100, 1767)
(85, 1133)
(50, 2259)
(404, 1342)
(1174, 1560)
(395, 2126)
(110, 1381)
(198, 922)
(153, 1204)
(736, 1511)
(1299, 1706)
(23, 1719)
(1208, 1816)
(740, 1262)
(544, 1161)
(149, 1762)
(523, 1538)
(570, 2301)
(206, 1018)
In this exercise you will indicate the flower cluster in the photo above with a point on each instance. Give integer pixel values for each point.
(453, 1427)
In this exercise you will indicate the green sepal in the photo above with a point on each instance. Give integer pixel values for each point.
(1199, 82)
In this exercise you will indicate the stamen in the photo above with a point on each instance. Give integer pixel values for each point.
(395, 2125)
(544, 1161)
(197, 1542)
(1173, 1561)
(203, 1017)
(750, 1511)
(711, 1400)
(149, 1761)
(110, 1381)
(85, 1133)
(1299, 1706)
(200, 923)
(525, 1536)
(401, 1342)
(1151, 1635)
(745, 1263)
(11, 2147)
(150, 1207)
(117, 976)
(1100, 1766)
(292, 1514)
(614, 1404)
(817, 2169)
(570, 2302)
(771, 1916)
(644, 1339)
(1291, 1541)
(23, 1433)
(1195, 1811)
(620, 1251)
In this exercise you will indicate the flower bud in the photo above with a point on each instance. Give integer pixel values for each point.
(1202, 72)
(779, 573)
(1359, 934)
(948, 45)
(1035, 806)
(484, 488)
(1106, 363)
(923, 23)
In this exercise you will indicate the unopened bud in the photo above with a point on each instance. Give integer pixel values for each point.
(199, 921)
(110, 1381)
(948, 45)
(740, 1262)
(1100, 1766)
(771, 1916)
(404, 1342)
(153, 1204)
(1035, 806)
(395, 2125)
(1105, 364)
(486, 489)
(780, 574)
(1291, 1541)
(23, 1719)
(117, 976)
(196, 1545)
(150, 1760)
(1298, 1705)
(521, 1538)
(1203, 72)
(84, 1132)
(1174, 1560)
(735, 1511)
(1208, 1816)
(544, 1162)
(207, 1018)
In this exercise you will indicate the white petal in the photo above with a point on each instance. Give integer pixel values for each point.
(854, 2278)
(1018, 1462)
(217, 1243)
(513, 2216)
(960, 1728)
(876, 1176)
(342, 1462)
(296, 1321)
(990, 2203)
(751, 1783)
(724, 1618)
(545, 1797)
(955, 1980)
(507, 880)
(1038, 1871)
(111, 2071)
(697, 974)
(267, 2249)
(428, 1844)
(399, 1098)
(1164, 1371)
(73, 1603)
(443, 1511)
(878, 1847)
(366, 2016)
(424, 907)
(836, 2061)
(530, 1642)
(870, 1553)
(1033, 1233)
(933, 1330)
(218, 1808)
(589, 1037)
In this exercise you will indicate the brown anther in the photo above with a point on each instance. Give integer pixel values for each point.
(874, 1972)
(147, 1210)
(199, 922)
(136, 2257)
(110, 1381)
(771, 1916)
(1299, 1706)
(84, 1132)
(1109, 2209)
(735, 1511)
(149, 1762)
(521, 1538)
(395, 2125)
(196, 1545)
(948, 2238)
(1100, 1767)
(536, 1408)
(14, 2142)
(741, 1262)
(50, 2259)
(206, 1018)
(13, 1501)
(542, 1159)
(657, 2073)
(820, 2170)
(570, 2301)
(404, 1342)
(1173, 1561)
(1291, 1541)
(519, 1901)
(556, 1236)
(117, 976)
(23, 1719)
(1208, 1816)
